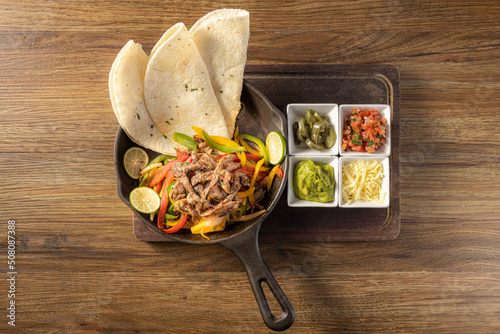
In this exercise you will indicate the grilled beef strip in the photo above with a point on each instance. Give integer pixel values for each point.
(201, 177)
(224, 207)
(178, 192)
(215, 178)
(216, 194)
(242, 178)
(184, 181)
(199, 188)
(201, 162)
(259, 192)
(206, 162)
(181, 168)
(183, 205)
(202, 145)
(231, 166)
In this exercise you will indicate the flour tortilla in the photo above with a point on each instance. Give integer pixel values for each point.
(177, 87)
(222, 40)
(127, 98)
(166, 35)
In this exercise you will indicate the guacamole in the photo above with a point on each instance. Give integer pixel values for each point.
(313, 181)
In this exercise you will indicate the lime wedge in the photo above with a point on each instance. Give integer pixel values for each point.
(144, 200)
(276, 146)
(135, 159)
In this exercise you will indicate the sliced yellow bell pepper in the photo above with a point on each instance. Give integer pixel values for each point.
(222, 148)
(262, 168)
(254, 178)
(246, 193)
(241, 155)
(259, 143)
(270, 177)
(198, 131)
(204, 226)
(249, 148)
(196, 229)
(231, 143)
(243, 158)
(223, 141)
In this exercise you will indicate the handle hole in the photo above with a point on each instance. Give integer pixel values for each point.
(274, 306)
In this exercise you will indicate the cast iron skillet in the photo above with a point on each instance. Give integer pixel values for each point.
(258, 117)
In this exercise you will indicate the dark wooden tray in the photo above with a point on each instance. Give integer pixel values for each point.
(341, 84)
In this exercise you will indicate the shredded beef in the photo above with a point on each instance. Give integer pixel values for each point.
(202, 145)
(208, 185)
(201, 177)
(216, 194)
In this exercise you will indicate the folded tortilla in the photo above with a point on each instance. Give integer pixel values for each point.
(222, 40)
(127, 98)
(177, 87)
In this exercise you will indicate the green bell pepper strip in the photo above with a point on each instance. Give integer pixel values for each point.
(170, 186)
(171, 208)
(222, 148)
(161, 158)
(259, 143)
(144, 180)
(169, 216)
(178, 226)
(185, 140)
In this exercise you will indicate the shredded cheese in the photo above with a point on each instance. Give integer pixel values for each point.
(362, 180)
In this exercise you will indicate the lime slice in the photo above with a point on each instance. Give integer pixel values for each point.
(135, 159)
(144, 200)
(276, 146)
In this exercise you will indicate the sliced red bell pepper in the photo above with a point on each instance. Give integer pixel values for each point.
(237, 159)
(253, 157)
(182, 156)
(169, 178)
(249, 171)
(178, 226)
(279, 172)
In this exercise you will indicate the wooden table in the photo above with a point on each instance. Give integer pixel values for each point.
(80, 268)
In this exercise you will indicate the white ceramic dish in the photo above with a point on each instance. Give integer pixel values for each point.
(385, 182)
(297, 111)
(383, 109)
(293, 200)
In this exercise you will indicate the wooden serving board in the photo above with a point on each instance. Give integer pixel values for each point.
(341, 84)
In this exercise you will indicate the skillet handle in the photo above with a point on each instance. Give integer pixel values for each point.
(247, 250)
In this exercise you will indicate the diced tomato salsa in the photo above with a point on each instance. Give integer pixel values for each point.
(364, 131)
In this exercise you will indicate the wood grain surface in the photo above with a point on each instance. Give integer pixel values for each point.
(79, 266)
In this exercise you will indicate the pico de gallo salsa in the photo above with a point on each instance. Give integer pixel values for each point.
(364, 131)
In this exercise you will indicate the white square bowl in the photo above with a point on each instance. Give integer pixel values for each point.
(293, 200)
(385, 182)
(384, 111)
(296, 111)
